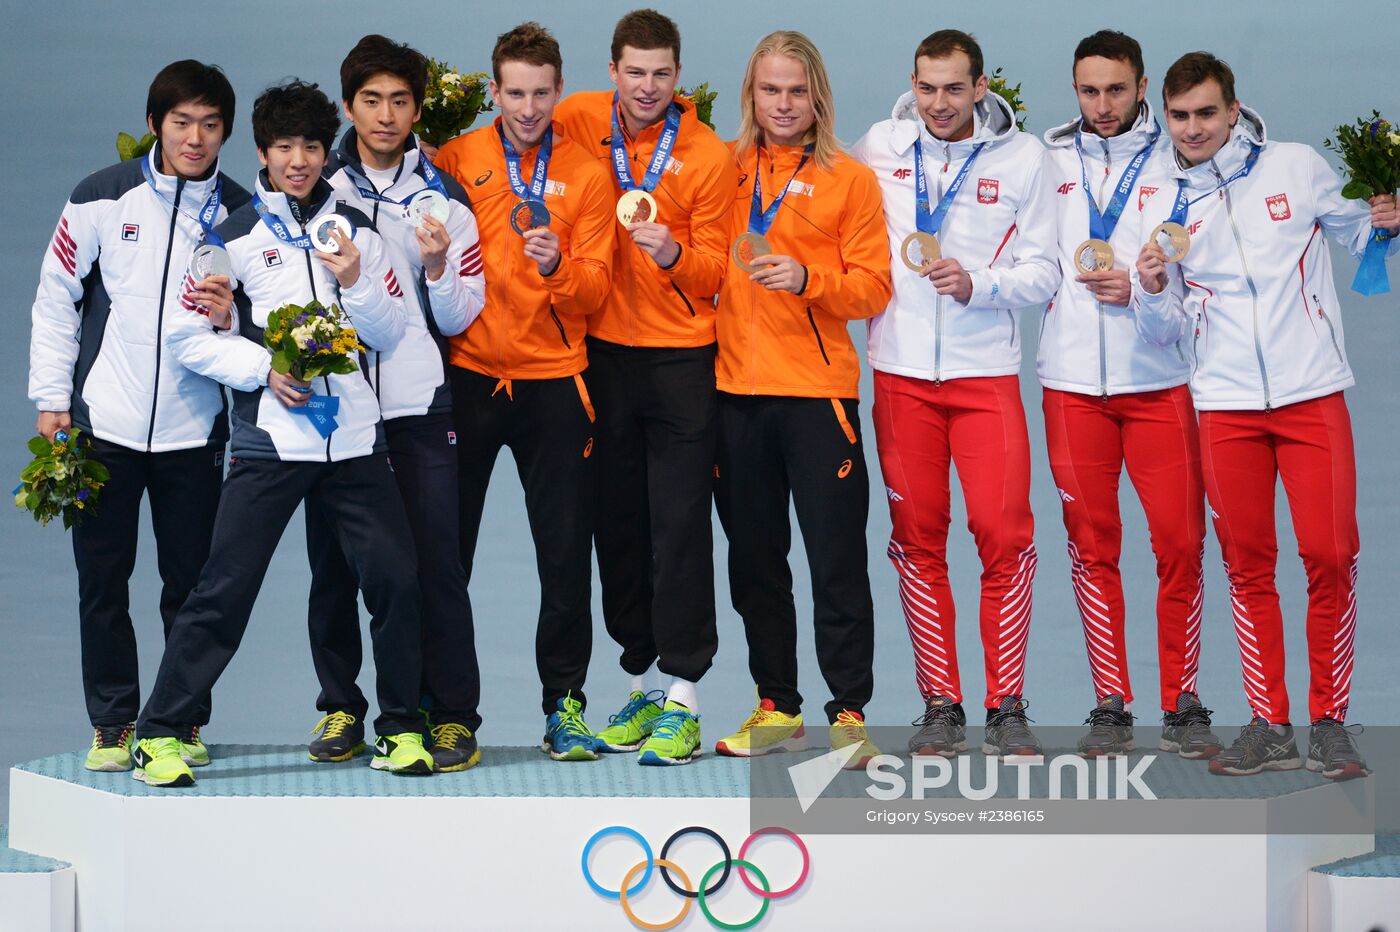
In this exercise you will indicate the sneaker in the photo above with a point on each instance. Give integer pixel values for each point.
(160, 762)
(629, 728)
(675, 738)
(1257, 748)
(1110, 729)
(849, 729)
(942, 728)
(341, 737)
(1187, 730)
(776, 731)
(566, 736)
(454, 748)
(192, 749)
(111, 748)
(1332, 752)
(1007, 733)
(402, 754)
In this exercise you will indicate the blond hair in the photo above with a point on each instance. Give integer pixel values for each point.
(822, 135)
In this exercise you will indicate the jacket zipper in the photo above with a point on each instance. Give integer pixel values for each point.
(1330, 329)
(311, 277)
(817, 333)
(684, 299)
(160, 310)
(560, 324)
(1098, 305)
(938, 298)
(1253, 289)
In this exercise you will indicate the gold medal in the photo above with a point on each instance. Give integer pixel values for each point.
(749, 247)
(1173, 239)
(1093, 255)
(919, 249)
(636, 206)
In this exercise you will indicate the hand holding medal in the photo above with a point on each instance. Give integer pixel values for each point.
(428, 211)
(213, 275)
(332, 237)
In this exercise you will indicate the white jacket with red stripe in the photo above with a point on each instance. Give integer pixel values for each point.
(1086, 346)
(1001, 227)
(1255, 293)
(411, 379)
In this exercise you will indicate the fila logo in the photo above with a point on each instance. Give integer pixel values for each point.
(1278, 207)
(482, 178)
(451, 438)
(219, 458)
(1067, 187)
(272, 258)
(131, 232)
(1194, 227)
(988, 190)
(1065, 495)
(1145, 192)
(801, 188)
(902, 173)
(894, 496)
(554, 187)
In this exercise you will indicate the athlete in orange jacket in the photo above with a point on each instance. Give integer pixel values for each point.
(516, 371)
(787, 376)
(651, 372)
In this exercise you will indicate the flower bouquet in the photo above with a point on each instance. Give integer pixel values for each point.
(308, 342)
(1370, 149)
(997, 84)
(704, 100)
(61, 480)
(451, 103)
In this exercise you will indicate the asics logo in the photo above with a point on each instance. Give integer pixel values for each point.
(844, 471)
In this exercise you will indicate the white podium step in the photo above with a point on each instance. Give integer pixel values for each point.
(1358, 893)
(36, 893)
(268, 840)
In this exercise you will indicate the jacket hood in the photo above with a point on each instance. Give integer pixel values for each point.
(1249, 132)
(1063, 136)
(993, 122)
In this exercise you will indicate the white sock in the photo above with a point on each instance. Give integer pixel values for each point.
(647, 680)
(683, 691)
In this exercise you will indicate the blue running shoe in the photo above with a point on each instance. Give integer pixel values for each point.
(566, 736)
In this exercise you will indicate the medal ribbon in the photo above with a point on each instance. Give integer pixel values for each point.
(206, 214)
(927, 222)
(759, 218)
(536, 190)
(278, 228)
(1102, 225)
(430, 177)
(670, 131)
(1183, 206)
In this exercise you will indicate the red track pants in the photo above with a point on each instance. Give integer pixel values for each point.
(1154, 433)
(1309, 444)
(979, 425)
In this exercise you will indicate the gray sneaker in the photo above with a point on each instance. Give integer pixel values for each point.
(942, 729)
(1333, 753)
(1007, 733)
(1258, 747)
(1110, 731)
(1187, 730)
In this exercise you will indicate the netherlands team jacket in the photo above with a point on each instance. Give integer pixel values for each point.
(411, 379)
(1087, 346)
(1255, 294)
(649, 305)
(106, 300)
(268, 273)
(1000, 226)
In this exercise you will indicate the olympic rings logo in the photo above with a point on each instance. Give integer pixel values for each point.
(696, 894)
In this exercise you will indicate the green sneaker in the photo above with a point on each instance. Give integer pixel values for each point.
(675, 738)
(160, 762)
(629, 728)
(111, 748)
(403, 754)
(192, 749)
(566, 735)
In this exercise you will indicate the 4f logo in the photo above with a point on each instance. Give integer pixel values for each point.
(902, 173)
(988, 190)
(1145, 192)
(272, 258)
(1194, 227)
(1278, 207)
(1067, 187)
(131, 232)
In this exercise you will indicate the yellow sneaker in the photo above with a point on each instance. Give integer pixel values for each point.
(849, 729)
(764, 731)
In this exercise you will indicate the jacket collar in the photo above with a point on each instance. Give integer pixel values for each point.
(193, 194)
(652, 133)
(1117, 149)
(1249, 132)
(347, 155)
(993, 122)
(280, 206)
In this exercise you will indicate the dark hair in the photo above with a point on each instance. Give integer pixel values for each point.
(530, 43)
(294, 108)
(646, 30)
(945, 42)
(190, 80)
(1111, 44)
(1195, 68)
(375, 54)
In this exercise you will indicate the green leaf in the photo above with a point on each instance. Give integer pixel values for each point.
(145, 144)
(1357, 190)
(282, 361)
(97, 471)
(126, 146)
(39, 446)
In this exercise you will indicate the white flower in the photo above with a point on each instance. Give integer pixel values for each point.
(452, 77)
(303, 335)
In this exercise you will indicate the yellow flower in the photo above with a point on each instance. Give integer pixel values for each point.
(21, 496)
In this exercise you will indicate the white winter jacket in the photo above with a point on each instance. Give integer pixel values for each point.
(1255, 292)
(1001, 227)
(1086, 346)
(268, 273)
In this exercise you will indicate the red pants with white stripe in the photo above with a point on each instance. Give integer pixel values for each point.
(1309, 444)
(1154, 433)
(979, 425)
